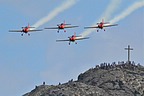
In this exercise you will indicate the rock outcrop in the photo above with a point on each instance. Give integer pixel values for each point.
(122, 79)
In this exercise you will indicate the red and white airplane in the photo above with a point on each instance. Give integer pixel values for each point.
(26, 29)
(102, 24)
(62, 26)
(73, 38)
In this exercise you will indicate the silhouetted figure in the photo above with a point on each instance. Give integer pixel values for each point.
(97, 66)
(43, 83)
(36, 87)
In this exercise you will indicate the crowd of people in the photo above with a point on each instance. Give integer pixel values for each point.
(122, 64)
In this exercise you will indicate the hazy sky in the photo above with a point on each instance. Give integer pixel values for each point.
(29, 60)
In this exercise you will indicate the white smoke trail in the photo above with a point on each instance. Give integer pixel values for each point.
(55, 12)
(106, 15)
(110, 10)
(128, 11)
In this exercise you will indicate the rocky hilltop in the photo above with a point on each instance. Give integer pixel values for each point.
(122, 79)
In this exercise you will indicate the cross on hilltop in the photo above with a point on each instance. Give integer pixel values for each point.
(128, 49)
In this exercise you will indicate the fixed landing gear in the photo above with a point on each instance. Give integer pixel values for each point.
(58, 31)
(98, 30)
(23, 34)
(74, 42)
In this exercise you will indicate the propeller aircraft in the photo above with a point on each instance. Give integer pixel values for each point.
(26, 30)
(73, 38)
(62, 26)
(102, 24)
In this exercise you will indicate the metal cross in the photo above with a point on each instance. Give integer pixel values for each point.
(128, 52)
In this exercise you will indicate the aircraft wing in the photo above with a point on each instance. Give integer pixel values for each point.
(81, 38)
(35, 30)
(52, 28)
(92, 27)
(110, 25)
(62, 40)
(70, 26)
(15, 30)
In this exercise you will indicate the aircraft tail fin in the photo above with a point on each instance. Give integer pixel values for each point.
(64, 22)
(74, 33)
(103, 21)
(28, 25)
